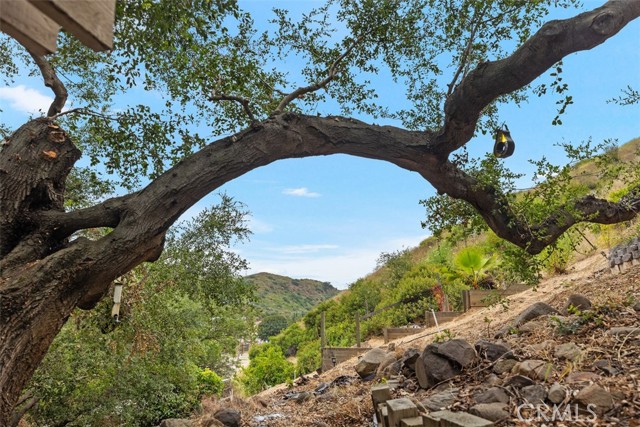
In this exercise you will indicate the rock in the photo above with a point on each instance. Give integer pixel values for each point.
(491, 411)
(391, 370)
(432, 368)
(492, 350)
(321, 388)
(228, 417)
(578, 301)
(301, 397)
(370, 362)
(557, 393)
(492, 395)
(409, 358)
(441, 400)
(569, 351)
(595, 395)
(459, 351)
(530, 327)
(176, 422)
(534, 394)
(624, 331)
(580, 376)
(535, 369)
(491, 380)
(536, 310)
(636, 306)
(606, 366)
(518, 381)
(389, 359)
(504, 365)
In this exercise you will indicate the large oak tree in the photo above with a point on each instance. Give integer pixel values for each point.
(214, 70)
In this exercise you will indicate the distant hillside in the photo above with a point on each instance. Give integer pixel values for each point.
(289, 297)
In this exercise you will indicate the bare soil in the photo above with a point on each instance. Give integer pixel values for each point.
(348, 401)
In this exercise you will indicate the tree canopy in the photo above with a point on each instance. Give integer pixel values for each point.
(216, 74)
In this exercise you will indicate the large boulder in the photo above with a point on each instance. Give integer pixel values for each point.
(493, 350)
(440, 362)
(370, 362)
(409, 358)
(228, 417)
(432, 368)
(458, 351)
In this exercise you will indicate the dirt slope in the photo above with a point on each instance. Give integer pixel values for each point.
(347, 402)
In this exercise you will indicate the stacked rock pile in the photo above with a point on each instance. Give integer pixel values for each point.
(623, 256)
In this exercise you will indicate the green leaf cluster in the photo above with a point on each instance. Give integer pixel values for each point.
(267, 367)
(271, 325)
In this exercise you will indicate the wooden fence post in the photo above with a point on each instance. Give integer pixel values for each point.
(465, 301)
(358, 329)
(323, 337)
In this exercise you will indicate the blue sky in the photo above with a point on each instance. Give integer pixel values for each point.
(329, 218)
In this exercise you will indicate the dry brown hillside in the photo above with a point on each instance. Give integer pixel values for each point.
(611, 362)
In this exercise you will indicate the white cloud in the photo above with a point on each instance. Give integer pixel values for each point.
(25, 99)
(258, 226)
(300, 192)
(305, 249)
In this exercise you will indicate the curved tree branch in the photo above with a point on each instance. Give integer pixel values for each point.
(554, 41)
(52, 81)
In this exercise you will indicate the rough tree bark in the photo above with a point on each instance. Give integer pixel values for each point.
(45, 272)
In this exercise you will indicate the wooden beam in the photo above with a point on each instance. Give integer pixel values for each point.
(91, 21)
(28, 26)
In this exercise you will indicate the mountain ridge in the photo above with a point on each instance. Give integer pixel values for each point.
(283, 295)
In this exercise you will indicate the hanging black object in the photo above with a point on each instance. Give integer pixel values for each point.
(504, 145)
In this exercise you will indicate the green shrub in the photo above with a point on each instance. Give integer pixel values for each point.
(271, 326)
(268, 367)
(210, 383)
(309, 357)
(290, 339)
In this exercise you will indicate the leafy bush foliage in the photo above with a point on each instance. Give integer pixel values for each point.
(309, 357)
(271, 326)
(210, 383)
(267, 367)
